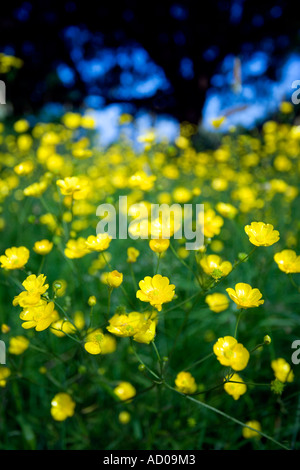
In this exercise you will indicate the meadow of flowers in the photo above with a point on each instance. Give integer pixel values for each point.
(139, 343)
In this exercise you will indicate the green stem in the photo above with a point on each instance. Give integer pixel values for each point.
(237, 322)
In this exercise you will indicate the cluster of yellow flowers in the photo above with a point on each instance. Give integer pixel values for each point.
(59, 176)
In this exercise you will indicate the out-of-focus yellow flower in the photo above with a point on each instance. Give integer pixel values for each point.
(76, 248)
(182, 195)
(36, 189)
(282, 370)
(24, 168)
(72, 120)
(132, 254)
(92, 301)
(288, 261)
(69, 185)
(21, 126)
(60, 286)
(226, 210)
(217, 302)
(4, 374)
(98, 243)
(286, 107)
(261, 234)
(108, 344)
(235, 389)
(14, 258)
(142, 181)
(217, 122)
(125, 391)
(250, 433)
(5, 328)
(39, 316)
(245, 296)
(214, 266)
(62, 407)
(61, 327)
(124, 417)
(43, 247)
(231, 353)
(159, 245)
(185, 383)
(18, 344)
(156, 290)
(212, 223)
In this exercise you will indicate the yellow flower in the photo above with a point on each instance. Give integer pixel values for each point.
(76, 248)
(43, 247)
(217, 302)
(124, 325)
(249, 433)
(217, 122)
(69, 185)
(261, 234)
(156, 290)
(226, 210)
(39, 316)
(18, 344)
(92, 301)
(215, 267)
(15, 258)
(244, 296)
(24, 168)
(114, 279)
(125, 391)
(108, 344)
(61, 327)
(35, 287)
(185, 383)
(124, 417)
(288, 261)
(4, 374)
(212, 223)
(282, 370)
(98, 243)
(93, 341)
(35, 189)
(231, 353)
(62, 407)
(235, 389)
(132, 254)
(159, 245)
(146, 332)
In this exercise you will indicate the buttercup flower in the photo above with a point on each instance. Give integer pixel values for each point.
(288, 261)
(43, 247)
(156, 290)
(212, 223)
(159, 245)
(235, 389)
(125, 391)
(132, 254)
(261, 234)
(18, 344)
(124, 325)
(114, 279)
(146, 331)
(35, 287)
(231, 353)
(215, 267)
(282, 370)
(217, 302)
(69, 185)
(14, 258)
(249, 433)
(244, 296)
(39, 316)
(185, 383)
(93, 341)
(76, 248)
(62, 407)
(4, 374)
(98, 243)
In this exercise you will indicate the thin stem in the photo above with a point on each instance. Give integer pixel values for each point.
(225, 415)
(237, 322)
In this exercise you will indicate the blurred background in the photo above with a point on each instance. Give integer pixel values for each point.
(163, 62)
